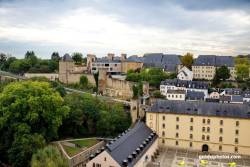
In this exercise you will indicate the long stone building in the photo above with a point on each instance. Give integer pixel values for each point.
(205, 66)
(212, 127)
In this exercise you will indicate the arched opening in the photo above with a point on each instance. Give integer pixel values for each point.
(204, 148)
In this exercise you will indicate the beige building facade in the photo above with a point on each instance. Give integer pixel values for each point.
(201, 132)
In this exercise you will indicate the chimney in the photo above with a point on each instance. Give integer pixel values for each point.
(123, 56)
(111, 56)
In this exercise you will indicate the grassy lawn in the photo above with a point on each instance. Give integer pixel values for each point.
(71, 150)
(85, 142)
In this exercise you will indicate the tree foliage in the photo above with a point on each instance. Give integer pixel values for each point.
(89, 116)
(77, 57)
(48, 156)
(30, 114)
(83, 81)
(152, 75)
(242, 71)
(187, 60)
(221, 74)
(55, 56)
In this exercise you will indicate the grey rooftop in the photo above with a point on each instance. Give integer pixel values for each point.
(201, 108)
(213, 60)
(185, 83)
(128, 142)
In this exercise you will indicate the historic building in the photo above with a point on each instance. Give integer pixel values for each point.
(176, 84)
(185, 74)
(133, 148)
(212, 127)
(167, 62)
(116, 65)
(204, 66)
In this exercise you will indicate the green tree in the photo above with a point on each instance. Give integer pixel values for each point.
(77, 57)
(49, 156)
(222, 73)
(157, 94)
(19, 66)
(3, 59)
(84, 81)
(30, 114)
(31, 58)
(187, 60)
(242, 71)
(55, 56)
(5, 66)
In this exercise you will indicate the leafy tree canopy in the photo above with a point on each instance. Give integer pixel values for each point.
(77, 57)
(30, 115)
(187, 60)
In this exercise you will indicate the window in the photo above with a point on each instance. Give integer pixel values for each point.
(163, 126)
(163, 117)
(176, 143)
(163, 133)
(236, 149)
(163, 141)
(177, 119)
(190, 144)
(220, 148)
(191, 119)
(151, 117)
(203, 137)
(203, 129)
(208, 129)
(93, 164)
(221, 130)
(220, 139)
(237, 123)
(191, 128)
(177, 126)
(105, 158)
(191, 136)
(177, 135)
(236, 140)
(221, 122)
(236, 132)
(208, 138)
(204, 121)
(208, 121)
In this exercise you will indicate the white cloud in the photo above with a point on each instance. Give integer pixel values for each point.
(91, 30)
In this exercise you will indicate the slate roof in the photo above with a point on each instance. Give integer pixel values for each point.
(246, 94)
(233, 91)
(124, 146)
(201, 108)
(184, 83)
(172, 91)
(213, 60)
(106, 60)
(134, 58)
(237, 98)
(195, 95)
(225, 98)
(67, 57)
(168, 62)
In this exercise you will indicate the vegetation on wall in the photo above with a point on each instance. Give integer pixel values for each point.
(152, 75)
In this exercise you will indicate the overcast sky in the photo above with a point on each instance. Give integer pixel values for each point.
(219, 27)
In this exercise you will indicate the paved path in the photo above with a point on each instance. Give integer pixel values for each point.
(170, 157)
